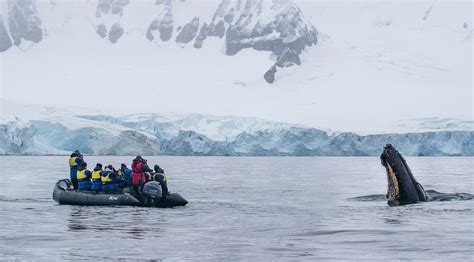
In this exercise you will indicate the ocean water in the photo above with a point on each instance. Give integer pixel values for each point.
(242, 209)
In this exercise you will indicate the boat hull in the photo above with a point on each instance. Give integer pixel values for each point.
(64, 194)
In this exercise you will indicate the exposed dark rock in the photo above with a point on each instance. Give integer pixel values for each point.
(229, 17)
(5, 41)
(221, 10)
(24, 22)
(116, 31)
(163, 24)
(216, 30)
(278, 27)
(103, 7)
(153, 26)
(233, 43)
(101, 30)
(270, 75)
(114, 7)
(166, 26)
(189, 31)
(286, 36)
(201, 36)
(117, 6)
(288, 58)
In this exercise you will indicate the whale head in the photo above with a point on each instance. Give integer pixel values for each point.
(402, 186)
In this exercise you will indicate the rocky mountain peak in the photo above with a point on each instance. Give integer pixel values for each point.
(277, 26)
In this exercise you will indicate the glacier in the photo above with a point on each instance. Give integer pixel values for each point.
(39, 130)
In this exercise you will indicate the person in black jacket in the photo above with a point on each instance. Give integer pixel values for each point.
(161, 177)
(146, 170)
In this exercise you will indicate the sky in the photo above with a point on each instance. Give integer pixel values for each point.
(375, 63)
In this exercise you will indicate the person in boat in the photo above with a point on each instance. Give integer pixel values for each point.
(74, 160)
(140, 173)
(137, 175)
(110, 179)
(84, 177)
(126, 175)
(161, 177)
(96, 178)
(147, 171)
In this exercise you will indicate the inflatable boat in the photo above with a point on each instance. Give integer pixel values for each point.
(151, 196)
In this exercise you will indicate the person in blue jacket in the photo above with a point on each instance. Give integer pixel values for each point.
(110, 179)
(126, 175)
(96, 178)
(84, 177)
(74, 160)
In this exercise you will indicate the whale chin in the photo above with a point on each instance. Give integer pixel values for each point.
(402, 188)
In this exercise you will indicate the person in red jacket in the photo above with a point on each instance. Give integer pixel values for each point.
(139, 167)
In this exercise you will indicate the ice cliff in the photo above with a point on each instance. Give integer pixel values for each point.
(45, 130)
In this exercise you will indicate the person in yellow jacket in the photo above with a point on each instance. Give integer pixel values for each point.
(96, 178)
(75, 159)
(110, 179)
(84, 177)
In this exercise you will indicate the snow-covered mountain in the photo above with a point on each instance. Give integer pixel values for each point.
(277, 26)
(375, 62)
(46, 130)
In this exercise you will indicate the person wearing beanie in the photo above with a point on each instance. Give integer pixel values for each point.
(96, 179)
(161, 177)
(110, 179)
(84, 177)
(74, 160)
(126, 175)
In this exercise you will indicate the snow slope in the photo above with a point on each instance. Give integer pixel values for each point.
(375, 63)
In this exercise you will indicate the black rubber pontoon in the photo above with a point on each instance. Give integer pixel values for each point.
(64, 194)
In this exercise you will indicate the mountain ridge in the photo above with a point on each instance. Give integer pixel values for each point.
(278, 26)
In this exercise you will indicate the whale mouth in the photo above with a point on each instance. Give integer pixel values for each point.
(393, 189)
(402, 185)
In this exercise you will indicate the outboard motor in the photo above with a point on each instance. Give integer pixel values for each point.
(151, 193)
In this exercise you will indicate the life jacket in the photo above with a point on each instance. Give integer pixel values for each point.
(96, 175)
(72, 161)
(137, 174)
(104, 177)
(81, 174)
(163, 175)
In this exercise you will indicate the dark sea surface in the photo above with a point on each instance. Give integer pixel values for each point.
(243, 209)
